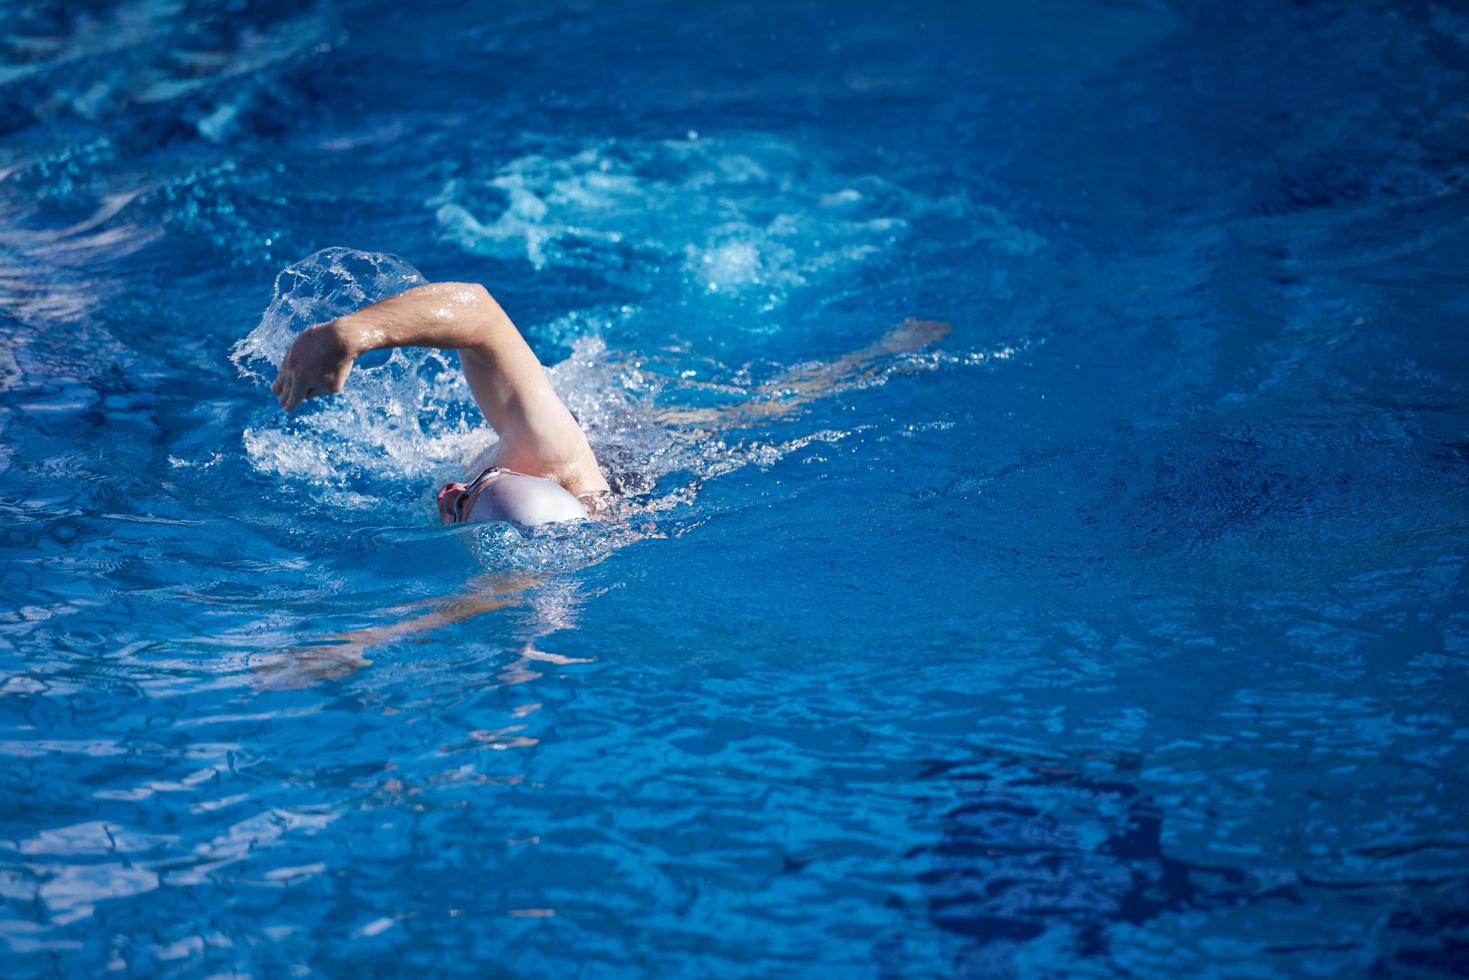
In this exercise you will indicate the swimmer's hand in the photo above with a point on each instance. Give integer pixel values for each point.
(317, 364)
(293, 669)
(910, 335)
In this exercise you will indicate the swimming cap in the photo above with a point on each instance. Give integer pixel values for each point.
(525, 500)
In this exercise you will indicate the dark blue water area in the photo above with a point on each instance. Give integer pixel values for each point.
(1121, 631)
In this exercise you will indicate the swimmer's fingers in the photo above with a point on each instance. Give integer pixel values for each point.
(333, 381)
(293, 389)
(293, 395)
(302, 391)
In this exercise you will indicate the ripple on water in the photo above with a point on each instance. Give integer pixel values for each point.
(1118, 630)
(731, 219)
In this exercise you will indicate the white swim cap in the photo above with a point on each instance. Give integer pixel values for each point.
(525, 500)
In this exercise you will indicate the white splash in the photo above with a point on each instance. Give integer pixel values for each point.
(409, 418)
(321, 287)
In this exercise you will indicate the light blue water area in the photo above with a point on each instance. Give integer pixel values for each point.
(1121, 631)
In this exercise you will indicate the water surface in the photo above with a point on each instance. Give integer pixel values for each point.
(1124, 631)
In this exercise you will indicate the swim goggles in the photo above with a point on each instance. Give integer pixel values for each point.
(469, 491)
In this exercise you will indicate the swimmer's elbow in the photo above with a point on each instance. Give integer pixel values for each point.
(489, 318)
(472, 292)
(454, 300)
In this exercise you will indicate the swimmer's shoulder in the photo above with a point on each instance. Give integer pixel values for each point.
(598, 503)
(579, 474)
(576, 471)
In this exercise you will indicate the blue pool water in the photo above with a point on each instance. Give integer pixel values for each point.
(1123, 631)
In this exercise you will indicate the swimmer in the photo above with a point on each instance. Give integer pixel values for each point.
(543, 470)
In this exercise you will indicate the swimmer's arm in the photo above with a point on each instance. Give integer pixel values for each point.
(346, 652)
(537, 433)
(809, 382)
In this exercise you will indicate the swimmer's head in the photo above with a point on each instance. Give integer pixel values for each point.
(504, 495)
